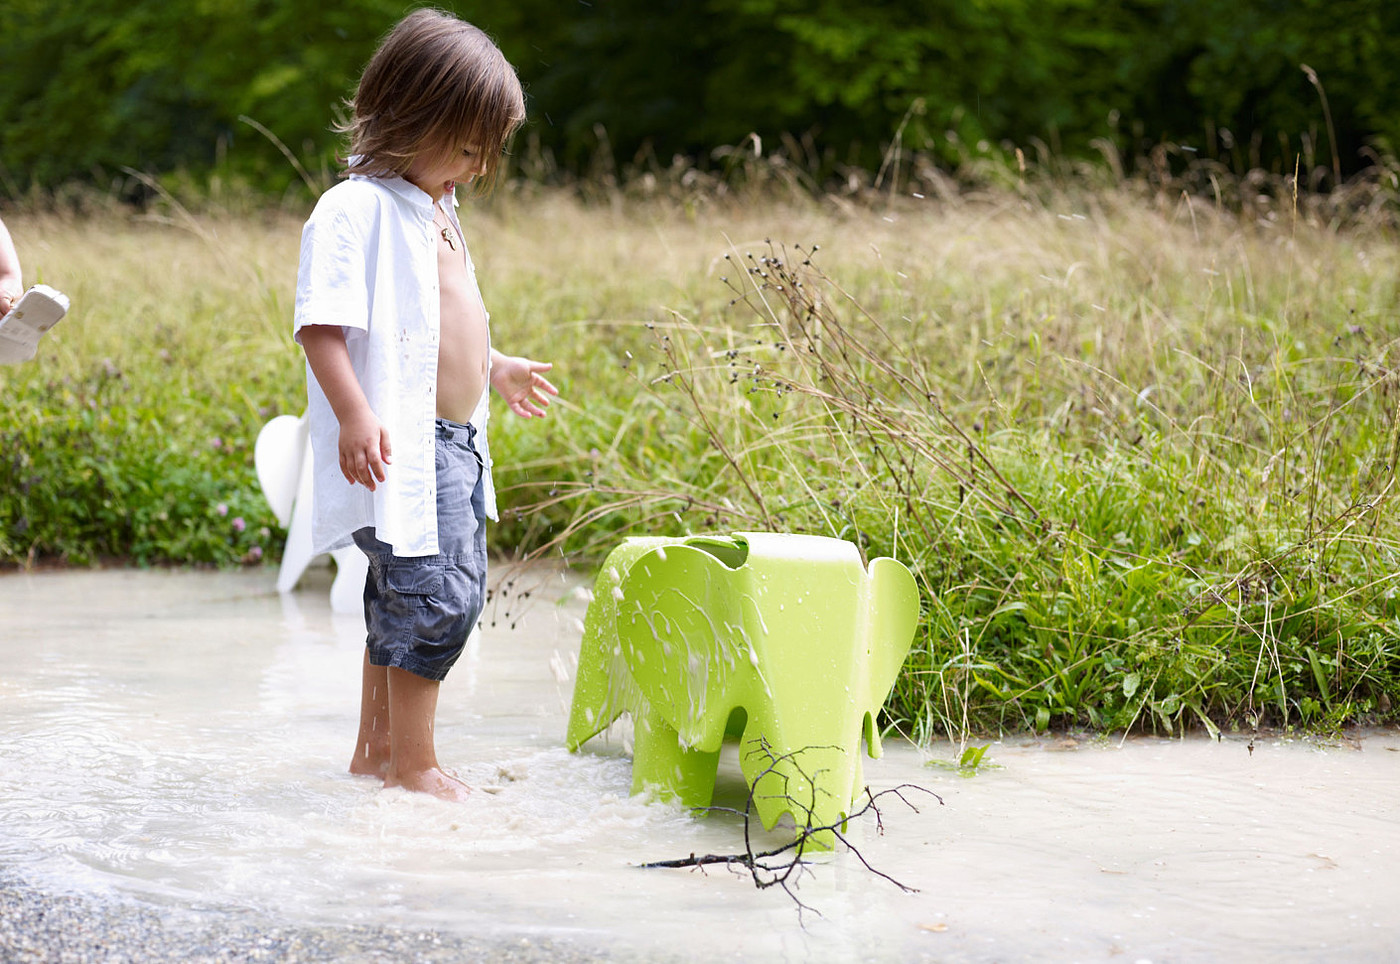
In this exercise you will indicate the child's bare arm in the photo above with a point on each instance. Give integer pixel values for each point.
(364, 442)
(11, 280)
(522, 384)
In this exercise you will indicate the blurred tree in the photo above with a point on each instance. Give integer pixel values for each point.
(1234, 80)
(90, 86)
(1221, 75)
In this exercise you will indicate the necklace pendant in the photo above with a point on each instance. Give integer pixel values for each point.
(450, 238)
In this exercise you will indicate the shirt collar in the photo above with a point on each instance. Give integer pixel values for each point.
(406, 190)
(409, 192)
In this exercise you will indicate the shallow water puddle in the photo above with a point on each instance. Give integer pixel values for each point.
(182, 737)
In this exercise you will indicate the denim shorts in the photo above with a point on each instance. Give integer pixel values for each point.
(420, 610)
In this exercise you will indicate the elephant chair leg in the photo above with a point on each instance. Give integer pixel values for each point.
(673, 771)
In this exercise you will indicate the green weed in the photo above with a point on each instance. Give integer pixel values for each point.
(1162, 523)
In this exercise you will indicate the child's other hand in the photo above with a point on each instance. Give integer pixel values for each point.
(364, 450)
(522, 384)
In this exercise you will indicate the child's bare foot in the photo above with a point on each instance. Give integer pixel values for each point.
(371, 759)
(433, 781)
(362, 766)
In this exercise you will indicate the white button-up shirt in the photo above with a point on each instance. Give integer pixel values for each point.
(369, 264)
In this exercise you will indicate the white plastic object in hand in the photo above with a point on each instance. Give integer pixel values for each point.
(282, 457)
(37, 310)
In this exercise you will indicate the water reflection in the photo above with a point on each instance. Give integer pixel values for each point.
(183, 736)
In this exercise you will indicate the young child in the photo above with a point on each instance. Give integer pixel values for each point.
(399, 355)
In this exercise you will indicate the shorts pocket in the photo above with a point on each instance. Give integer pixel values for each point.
(413, 580)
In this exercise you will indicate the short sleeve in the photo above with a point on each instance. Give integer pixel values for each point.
(333, 272)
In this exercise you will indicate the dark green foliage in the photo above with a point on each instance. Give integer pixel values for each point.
(88, 87)
(1237, 69)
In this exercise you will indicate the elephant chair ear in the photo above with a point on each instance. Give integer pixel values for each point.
(894, 616)
(278, 460)
(603, 689)
(681, 633)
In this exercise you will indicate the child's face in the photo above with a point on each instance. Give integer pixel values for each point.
(437, 176)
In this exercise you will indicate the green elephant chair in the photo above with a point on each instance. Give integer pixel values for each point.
(784, 640)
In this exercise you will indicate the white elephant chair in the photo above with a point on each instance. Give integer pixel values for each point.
(282, 458)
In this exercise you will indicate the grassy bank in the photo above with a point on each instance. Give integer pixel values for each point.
(1138, 450)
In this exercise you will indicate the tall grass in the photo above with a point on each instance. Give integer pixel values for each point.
(130, 437)
(1137, 443)
(1140, 452)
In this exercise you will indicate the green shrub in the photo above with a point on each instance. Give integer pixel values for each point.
(109, 467)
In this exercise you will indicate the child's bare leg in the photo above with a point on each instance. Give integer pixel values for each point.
(372, 745)
(413, 757)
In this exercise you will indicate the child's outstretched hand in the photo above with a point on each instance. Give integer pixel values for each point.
(364, 450)
(522, 384)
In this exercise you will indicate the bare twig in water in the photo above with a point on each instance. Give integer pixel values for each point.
(783, 866)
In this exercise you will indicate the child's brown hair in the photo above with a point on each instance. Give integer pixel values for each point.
(435, 85)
